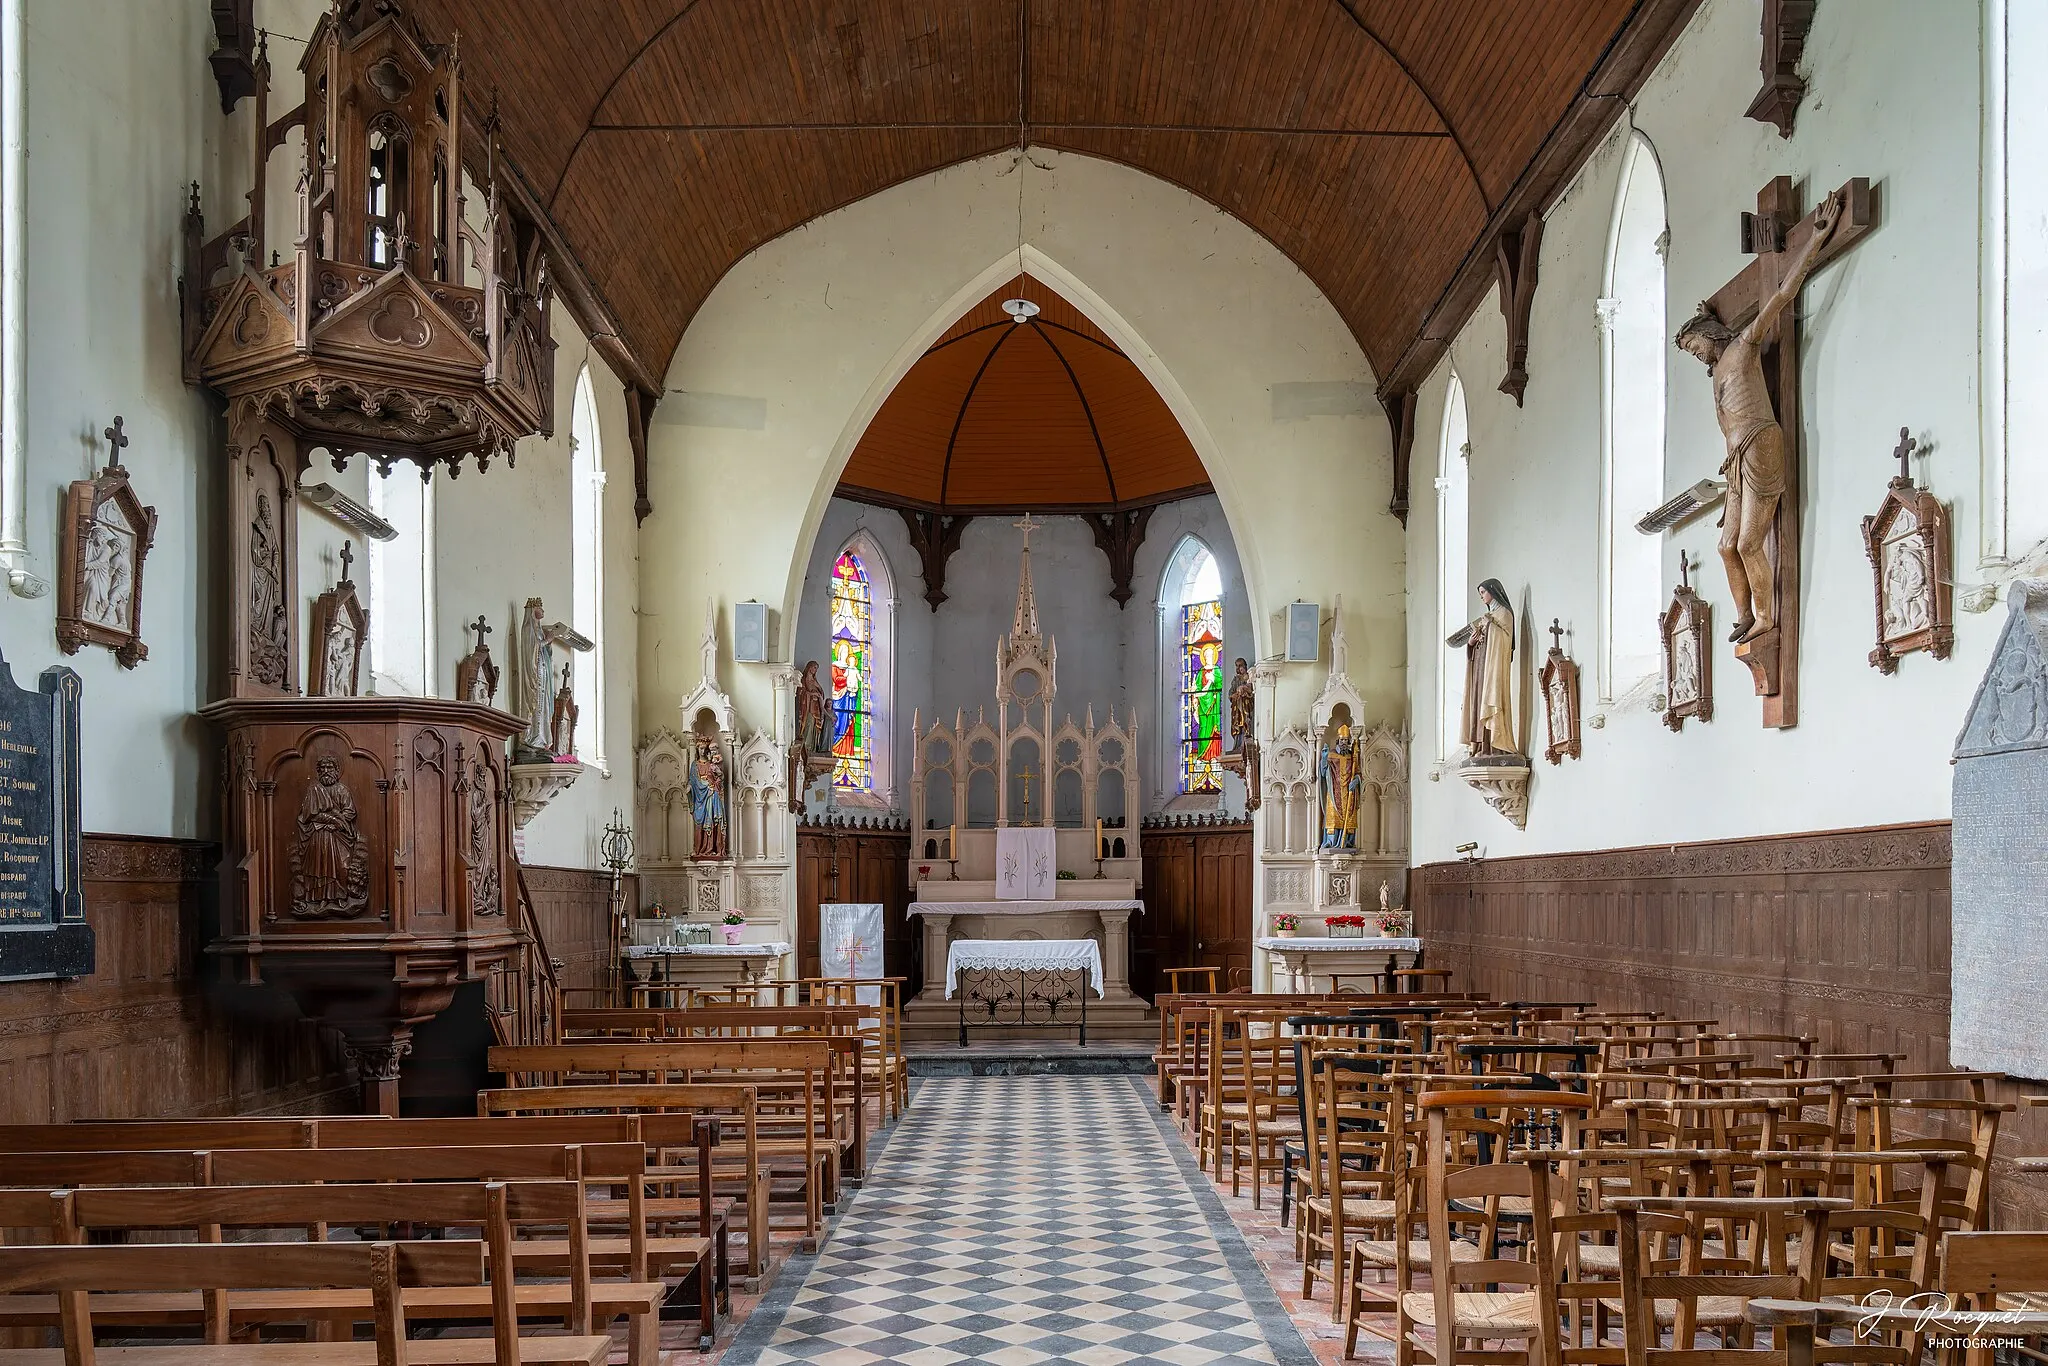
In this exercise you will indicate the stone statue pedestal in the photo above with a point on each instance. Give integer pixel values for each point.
(1503, 780)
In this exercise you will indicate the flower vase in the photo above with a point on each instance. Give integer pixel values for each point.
(733, 933)
(1283, 934)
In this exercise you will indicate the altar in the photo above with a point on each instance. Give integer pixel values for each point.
(992, 862)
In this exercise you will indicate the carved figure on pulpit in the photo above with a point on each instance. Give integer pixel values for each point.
(329, 857)
(1342, 781)
(1755, 467)
(1243, 701)
(1488, 726)
(269, 645)
(707, 803)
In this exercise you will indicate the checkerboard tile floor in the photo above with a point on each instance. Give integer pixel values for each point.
(1028, 1220)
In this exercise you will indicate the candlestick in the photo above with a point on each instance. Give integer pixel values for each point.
(953, 843)
(1099, 853)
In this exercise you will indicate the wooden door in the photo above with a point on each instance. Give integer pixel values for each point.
(836, 864)
(1198, 905)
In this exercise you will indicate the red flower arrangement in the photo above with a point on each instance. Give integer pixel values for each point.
(1357, 921)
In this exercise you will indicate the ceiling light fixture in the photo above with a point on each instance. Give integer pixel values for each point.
(1020, 310)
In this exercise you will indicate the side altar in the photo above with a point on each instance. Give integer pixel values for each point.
(1021, 832)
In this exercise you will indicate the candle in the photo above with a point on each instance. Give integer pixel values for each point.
(1100, 853)
(953, 843)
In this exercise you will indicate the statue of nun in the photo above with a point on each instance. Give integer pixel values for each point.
(1488, 727)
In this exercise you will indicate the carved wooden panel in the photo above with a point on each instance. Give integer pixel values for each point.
(148, 1036)
(572, 904)
(1843, 935)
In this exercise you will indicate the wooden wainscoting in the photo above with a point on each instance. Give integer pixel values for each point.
(1198, 904)
(572, 905)
(151, 1033)
(847, 862)
(1843, 935)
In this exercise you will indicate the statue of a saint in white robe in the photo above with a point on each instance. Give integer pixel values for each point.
(1488, 725)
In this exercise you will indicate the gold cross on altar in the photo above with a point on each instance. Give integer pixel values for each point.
(1026, 777)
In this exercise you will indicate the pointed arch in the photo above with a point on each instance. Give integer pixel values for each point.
(1454, 570)
(861, 688)
(1634, 354)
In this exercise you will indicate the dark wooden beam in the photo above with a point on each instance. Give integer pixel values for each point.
(1118, 535)
(1620, 73)
(934, 536)
(1785, 26)
(639, 409)
(234, 59)
(1515, 253)
(1401, 417)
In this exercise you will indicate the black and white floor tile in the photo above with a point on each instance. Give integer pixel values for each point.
(1026, 1221)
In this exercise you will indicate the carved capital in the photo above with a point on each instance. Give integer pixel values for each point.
(377, 1061)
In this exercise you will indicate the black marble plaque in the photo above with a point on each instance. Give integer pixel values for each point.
(43, 932)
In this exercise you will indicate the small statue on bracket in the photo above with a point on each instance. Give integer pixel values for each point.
(562, 727)
(476, 676)
(1243, 702)
(1488, 728)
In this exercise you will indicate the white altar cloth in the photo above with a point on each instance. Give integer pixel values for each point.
(774, 949)
(1018, 907)
(1014, 955)
(1325, 944)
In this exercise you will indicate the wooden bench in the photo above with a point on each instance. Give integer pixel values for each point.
(499, 1210)
(384, 1271)
(794, 1081)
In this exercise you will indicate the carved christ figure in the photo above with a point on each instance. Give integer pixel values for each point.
(1489, 644)
(1755, 467)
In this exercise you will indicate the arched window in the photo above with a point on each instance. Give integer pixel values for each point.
(402, 587)
(853, 671)
(1453, 570)
(586, 567)
(1634, 349)
(1192, 607)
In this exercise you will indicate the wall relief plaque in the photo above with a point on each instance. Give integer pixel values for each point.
(1688, 660)
(1560, 681)
(1911, 568)
(106, 534)
(341, 633)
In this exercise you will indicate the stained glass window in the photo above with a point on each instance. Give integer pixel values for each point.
(1201, 696)
(853, 640)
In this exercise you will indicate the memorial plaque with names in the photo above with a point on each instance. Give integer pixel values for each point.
(43, 932)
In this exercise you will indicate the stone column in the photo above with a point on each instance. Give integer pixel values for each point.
(935, 927)
(1116, 955)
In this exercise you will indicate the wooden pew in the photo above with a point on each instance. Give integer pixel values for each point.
(384, 1271)
(799, 1073)
(498, 1209)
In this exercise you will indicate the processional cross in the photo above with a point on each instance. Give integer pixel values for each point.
(1027, 524)
(1778, 234)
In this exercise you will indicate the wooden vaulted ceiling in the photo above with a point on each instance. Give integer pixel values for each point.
(999, 415)
(1380, 143)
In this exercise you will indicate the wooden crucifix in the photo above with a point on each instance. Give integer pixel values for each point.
(1748, 336)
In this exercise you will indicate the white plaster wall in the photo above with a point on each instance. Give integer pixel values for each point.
(1891, 341)
(122, 116)
(812, 330)
(1108, 657)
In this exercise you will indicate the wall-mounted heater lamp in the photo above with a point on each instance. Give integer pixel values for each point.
(348, 512)
(1683, 508)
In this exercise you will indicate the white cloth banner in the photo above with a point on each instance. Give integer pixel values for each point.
(1022, 955)
(1027, 862)
(850, 944)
